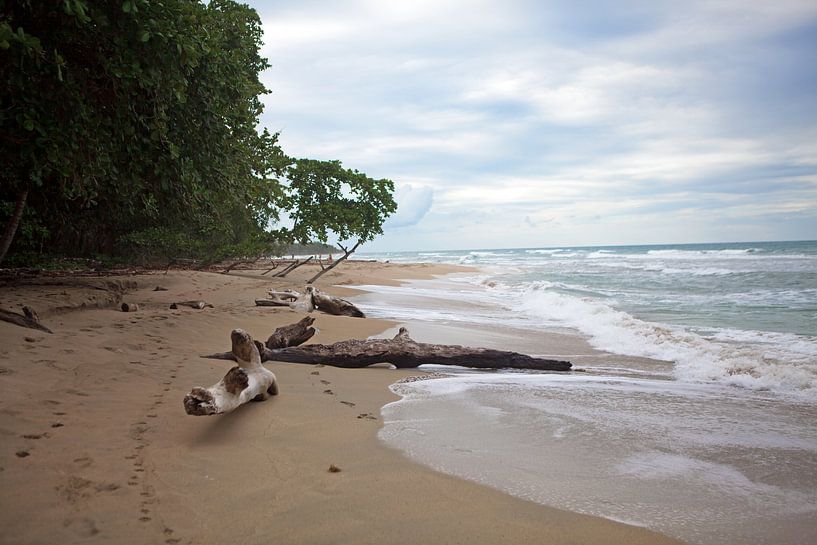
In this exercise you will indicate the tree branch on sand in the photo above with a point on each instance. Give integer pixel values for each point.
(28, 319)
(402, 351)
(311, 300)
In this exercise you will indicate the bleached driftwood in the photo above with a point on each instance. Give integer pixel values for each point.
(333, 305)
(278, 298)
(401, 351)
(272, 302)
(309, 301)
(248, 381)
(192, 304)
(286, 294)
(27, 319)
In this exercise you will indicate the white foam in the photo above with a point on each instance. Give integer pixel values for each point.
(546, 251)
(783, 365)
(705, 271)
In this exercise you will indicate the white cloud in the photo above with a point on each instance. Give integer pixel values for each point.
(521, 124)
(413, 203)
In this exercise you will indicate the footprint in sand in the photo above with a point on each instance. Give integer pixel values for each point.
(349, 403)
(330, 392)
(315, 373)
(75, 489)
(83, 462)
(367, 416)
(325, 382)
(35, 435)
(82, 526)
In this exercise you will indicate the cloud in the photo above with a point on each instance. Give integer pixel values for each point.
(413, 203)
(549, 122)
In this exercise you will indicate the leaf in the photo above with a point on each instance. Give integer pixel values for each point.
(127, 6)
(145, 36)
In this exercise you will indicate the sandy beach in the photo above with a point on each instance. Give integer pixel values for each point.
(98, 449)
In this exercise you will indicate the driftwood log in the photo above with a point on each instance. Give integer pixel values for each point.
(333, 305)
(309, 301)
(192, 304)
(272, 302)
(248, 381)
(27, 319)
(402, 351)
(279, 298)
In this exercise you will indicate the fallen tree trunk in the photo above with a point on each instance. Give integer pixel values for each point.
(309, 301)
(338, 261)
(272, 302)
(231, 266)
(248, 381)
(402, 351)
(293, 266)
(286, 294)
(28, 319)
(333, 305)
(290, 335)
(192, 304)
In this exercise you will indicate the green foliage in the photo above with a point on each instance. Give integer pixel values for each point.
(134, 126)
(32, 233)
(326, 198)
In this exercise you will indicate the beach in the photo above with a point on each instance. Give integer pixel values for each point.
(97, 447)
(691, 406)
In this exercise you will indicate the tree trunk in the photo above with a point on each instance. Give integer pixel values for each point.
(346, 254)
(249, 381)
(293, 267)
(14, 222)
(239, 262)
(402, 352)
(333, 305)
(291, 335)
(28, 319)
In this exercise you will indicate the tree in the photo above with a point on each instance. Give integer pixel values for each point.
(326, 198)
(133, 125)
(118, 117)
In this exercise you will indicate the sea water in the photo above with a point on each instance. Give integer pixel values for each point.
(695, 410)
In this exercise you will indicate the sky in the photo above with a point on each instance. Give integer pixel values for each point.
(523, 123)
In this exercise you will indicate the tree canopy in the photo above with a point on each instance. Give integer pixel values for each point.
(134, 124)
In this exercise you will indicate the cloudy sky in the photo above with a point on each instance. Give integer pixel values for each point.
(521, 123)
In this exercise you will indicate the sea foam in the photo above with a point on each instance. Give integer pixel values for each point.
(779, 362)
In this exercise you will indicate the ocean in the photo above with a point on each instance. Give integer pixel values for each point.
(693, 410)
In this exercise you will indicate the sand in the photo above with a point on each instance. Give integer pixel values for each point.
(96, 447)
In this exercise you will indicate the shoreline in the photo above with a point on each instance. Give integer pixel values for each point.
(126, 465)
